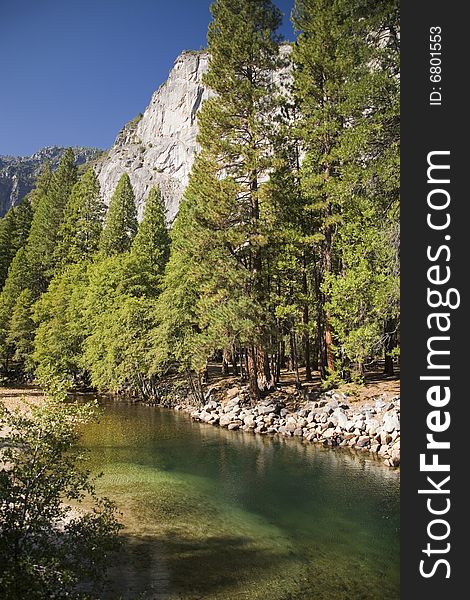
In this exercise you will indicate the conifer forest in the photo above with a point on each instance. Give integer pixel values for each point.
(286, 244)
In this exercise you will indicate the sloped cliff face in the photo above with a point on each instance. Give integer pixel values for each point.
(157, 149)
(18, 173)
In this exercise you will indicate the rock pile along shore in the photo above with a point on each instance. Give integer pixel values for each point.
(328, 420)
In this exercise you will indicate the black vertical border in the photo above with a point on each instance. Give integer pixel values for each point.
(428, 128)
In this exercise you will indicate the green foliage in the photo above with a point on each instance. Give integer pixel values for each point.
(48, 548)
(80, 230)
(95, 318)
(61, 326)
(287, 236)
(175, 311)
(152, 242)
(347, 89)
(366, 293)
(121, 221)
(119, 312)
(48, 215)
(135, 121)
(21, 330)
(14, 231)
(15, 235)
(226, 225)
(41, 187)
(7, 252)
(17, 282)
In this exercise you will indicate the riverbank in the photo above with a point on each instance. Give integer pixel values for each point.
(15, 397)
(332, 418)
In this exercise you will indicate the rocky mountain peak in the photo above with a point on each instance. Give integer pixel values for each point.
(158, 147)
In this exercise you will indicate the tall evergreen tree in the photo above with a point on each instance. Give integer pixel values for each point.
(230, 218)
(21, 330)
(34, 264)
(41, 186)
(61, 325)
(18, 280)
(48, 215)
(7, 251)
(347, 88)
(14, 231)
(121, 221)
(295, 291)
(118, 316)
(80, 230)
(152, 242)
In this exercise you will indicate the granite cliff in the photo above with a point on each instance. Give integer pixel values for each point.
(158, 147)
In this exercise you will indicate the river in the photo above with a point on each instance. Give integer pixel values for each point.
(225, 515)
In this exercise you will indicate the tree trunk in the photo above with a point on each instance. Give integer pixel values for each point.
(225, 361)
(330, 362)
(388, 367)
(234, 361)
(275, 367)
(317, 359)
(280, 360)
(263, 371)
(244, 362)
(322, 349)
(196, 389)
(282, 355)
(295, 362)
(388, 345)
(306, 346)
(305, 321)
(252, 371)
(205, 374)
(314, 355)
(328, 267)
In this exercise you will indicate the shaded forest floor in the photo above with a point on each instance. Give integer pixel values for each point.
(376, 384)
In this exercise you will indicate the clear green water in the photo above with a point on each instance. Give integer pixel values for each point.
(219, 515)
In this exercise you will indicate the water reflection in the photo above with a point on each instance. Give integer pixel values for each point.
(218, 514)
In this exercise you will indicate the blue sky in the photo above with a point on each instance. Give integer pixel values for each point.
(73, 72)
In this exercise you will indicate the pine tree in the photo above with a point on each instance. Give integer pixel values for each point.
(295, 294)
(152, 242)
(41, 186)
(79, 233)
(346, 87)
(48, 215)
(23, 218)
(62, 326)
(14, 231)
(7, 249)
(121, 221)
(34, 264)
(118, 312)
(18, 280)
(175, 311)
(21, 330)
(229, 228)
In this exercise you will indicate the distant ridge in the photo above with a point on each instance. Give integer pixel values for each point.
(18, 173)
